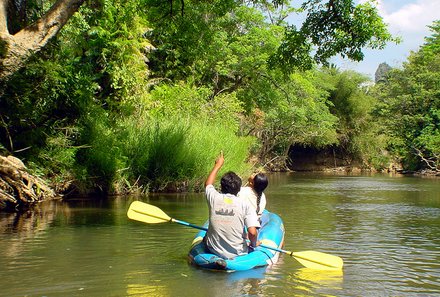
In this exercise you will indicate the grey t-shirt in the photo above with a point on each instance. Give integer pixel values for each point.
(228, 217)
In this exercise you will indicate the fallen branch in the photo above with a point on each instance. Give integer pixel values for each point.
(432, 163)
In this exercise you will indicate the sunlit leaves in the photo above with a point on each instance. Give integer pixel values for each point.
(189, 103)
(331, 28)
(411, 104)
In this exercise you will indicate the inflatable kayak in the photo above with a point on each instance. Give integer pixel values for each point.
(271, 234)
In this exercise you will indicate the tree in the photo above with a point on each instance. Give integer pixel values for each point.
(17, 47)
(352, 105)
(209, 47)
(332, 27)
(294, 110)
(63, 110)
(411, 106)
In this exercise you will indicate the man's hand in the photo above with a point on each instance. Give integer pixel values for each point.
(218, 164)
(220, 160)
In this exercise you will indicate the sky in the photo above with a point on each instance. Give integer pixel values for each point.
(405, 18)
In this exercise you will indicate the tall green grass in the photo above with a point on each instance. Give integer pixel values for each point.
(177, 155)
(98, 163)
(141, 154)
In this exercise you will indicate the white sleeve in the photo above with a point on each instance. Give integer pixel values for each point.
(210, 192)
(247, 194)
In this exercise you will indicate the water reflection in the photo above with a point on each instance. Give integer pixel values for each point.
(249, 283)
(309, 280)
(386, 229)
(142, 290)
(32, 221)
(30, 225)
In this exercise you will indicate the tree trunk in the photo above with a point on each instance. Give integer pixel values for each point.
(16, 49)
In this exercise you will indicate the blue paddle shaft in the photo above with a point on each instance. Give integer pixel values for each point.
(206, 229)
(189, 225)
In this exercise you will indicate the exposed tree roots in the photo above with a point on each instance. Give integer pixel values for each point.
(18, 188)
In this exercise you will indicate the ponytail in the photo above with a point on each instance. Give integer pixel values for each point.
(260, 184)
(258, 201)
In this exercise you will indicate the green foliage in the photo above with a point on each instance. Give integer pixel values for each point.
(360, 134)
(167, 145)
(143, 94)
(101, 158)
(57, 158)
(297, 113)
(331, 28)
(110, 46)
(39, 101)
(195, 103)
(93, 73)
(294, 53)
(173, 142)
(223, 50)
(353, 106)
(410, 105)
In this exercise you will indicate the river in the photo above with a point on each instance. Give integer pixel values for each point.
(386, 228)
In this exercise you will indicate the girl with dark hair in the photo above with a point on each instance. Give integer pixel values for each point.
(253, 193)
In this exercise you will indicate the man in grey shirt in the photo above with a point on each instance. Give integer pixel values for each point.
(228, 216)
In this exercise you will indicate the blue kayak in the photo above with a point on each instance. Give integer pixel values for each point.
(270, 234)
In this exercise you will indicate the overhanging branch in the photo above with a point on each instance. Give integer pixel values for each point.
(39, 33)
(20, 46)
(3, 17)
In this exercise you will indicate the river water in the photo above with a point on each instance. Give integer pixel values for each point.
(386, 228)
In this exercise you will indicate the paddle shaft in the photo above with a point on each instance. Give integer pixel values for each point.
(206, 229)
(295, 255)
(290, 253)
(188, 224)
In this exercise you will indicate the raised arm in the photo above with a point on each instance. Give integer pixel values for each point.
(218, 164)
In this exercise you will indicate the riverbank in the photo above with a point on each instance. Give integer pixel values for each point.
(20, 189)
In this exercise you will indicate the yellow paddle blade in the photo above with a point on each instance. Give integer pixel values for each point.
(318, 260)
(147, 213)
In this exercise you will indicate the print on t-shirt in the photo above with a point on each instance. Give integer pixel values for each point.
(226, 212)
